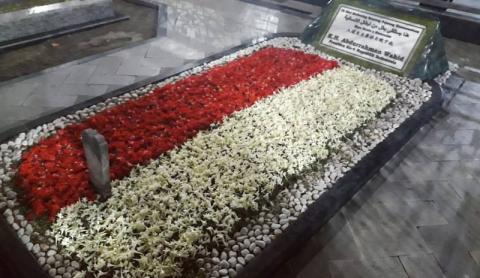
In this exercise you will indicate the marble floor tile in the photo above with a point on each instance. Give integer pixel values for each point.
(167, 61)
(441, 152)
(442, 170)
(466, 98)
(416, 212)
(458, 137)
(476, 255)
(80, 74)
(457, 121)
(75, 90)
(336, 242)
(422, 266)
(133, 67)
(134, 52)
(388, 191)
(396, 237)
(448, 137)
(50, 101)
(471, 88)
(16, 94)
(315, 269)
(432, 190)
(466, 187)
(55, 77)
(464, 215)
(10, 114)
(13, 98)
(107, 65)
(162, 46)
(388, 267)
(8, 125)
(454, 82)
(472, 167)
(450, 250)
(121, 80)
(81, 98)
(413, 154)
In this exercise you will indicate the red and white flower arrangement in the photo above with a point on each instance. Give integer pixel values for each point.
(200, 151)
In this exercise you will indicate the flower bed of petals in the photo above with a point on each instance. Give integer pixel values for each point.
(202, 188)
(53, 173)
(210, 202)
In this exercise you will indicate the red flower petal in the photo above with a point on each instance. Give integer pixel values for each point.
(54, 174)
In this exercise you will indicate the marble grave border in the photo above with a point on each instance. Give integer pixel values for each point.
(22, 262)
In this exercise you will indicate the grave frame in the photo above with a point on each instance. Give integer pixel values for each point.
(24, 265)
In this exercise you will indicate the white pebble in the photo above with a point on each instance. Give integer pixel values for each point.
(244, 252)
(260, 243)
(232, 261)
(232, 273)
(224, 264)
(75, 264)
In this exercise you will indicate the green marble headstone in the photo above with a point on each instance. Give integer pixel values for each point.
(374, 34)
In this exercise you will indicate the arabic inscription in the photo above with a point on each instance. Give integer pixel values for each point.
(382, 40)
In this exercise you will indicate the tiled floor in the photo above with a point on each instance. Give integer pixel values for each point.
(187, 30)
(418, 218)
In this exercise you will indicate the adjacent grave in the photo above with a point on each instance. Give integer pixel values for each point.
(40, 20)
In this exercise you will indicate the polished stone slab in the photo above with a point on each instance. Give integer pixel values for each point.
(425, 266)
(450, 250)
(387, 267)
(42, 19)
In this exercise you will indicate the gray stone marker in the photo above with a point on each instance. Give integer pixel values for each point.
(96, 152)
